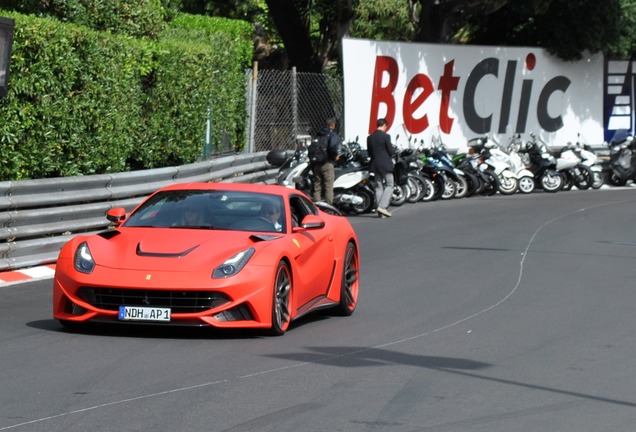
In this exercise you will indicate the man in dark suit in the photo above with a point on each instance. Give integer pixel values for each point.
(381, 153)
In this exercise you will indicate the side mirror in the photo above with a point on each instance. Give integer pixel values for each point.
(310, 222)
(116, 215)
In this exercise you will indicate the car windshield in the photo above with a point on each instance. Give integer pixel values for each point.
(215, 209)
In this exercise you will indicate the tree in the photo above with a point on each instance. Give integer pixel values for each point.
(311, 30)
(566, 28)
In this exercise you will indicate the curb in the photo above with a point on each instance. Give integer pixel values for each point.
(25, 275)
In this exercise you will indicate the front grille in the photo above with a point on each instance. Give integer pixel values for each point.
(177, 300)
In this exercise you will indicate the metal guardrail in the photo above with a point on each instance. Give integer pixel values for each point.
(37, 217)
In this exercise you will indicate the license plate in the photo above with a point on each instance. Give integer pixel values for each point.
(139, 313)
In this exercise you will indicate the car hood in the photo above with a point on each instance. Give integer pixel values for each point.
(169, 249)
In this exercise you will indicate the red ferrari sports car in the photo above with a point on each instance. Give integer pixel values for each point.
(226, 255)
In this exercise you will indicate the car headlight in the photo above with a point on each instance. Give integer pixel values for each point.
(83, 260)
(233, 265)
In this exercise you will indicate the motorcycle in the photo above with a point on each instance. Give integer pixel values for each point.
(542, 163)
(492, 160)
(622, 160)
(589, 159)
(353, 191)
(440, 155)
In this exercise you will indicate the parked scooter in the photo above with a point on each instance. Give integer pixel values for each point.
(589, 159)
(494, 160)
(622, 161)
(542, 163)
(353, 192)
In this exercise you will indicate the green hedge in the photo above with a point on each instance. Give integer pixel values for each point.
(86, 102)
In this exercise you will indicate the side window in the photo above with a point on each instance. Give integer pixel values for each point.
(299, 208)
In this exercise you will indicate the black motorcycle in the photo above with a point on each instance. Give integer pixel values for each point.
(622, 160)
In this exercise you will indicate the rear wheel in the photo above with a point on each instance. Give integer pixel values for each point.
(399, 195)
(281, 300)
(350, 282)
(582, 176)
(368, 199)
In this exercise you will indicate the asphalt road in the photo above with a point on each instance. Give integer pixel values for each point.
(512, 314)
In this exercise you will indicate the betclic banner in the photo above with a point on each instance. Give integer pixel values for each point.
(457, 93)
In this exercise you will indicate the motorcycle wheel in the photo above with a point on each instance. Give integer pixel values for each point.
(417, 184)
(508, 185)
(598, 180)
(450, 189)
(400, 194)
(368, 199)
(552, 181)
(526, 184)
(429, 190)
(491, 185)
(617, 180)
(461, 187)
(472, 183)
(582, 176)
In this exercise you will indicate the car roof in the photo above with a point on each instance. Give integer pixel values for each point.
(243, 187)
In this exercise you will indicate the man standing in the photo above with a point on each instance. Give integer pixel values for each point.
(324, 173)
(381, 153)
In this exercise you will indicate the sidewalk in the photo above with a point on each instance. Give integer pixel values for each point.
(24, 275)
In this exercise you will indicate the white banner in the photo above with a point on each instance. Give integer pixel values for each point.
(460, 92)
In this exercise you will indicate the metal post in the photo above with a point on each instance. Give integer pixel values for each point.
(251, 146)
(294, 106)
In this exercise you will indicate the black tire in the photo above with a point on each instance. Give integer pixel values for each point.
(582, 176)
(350, 282)
(616, 180)
(508, 185)
(461, 187)
(429, 190)
(418, 184)
(368, 200)
(491, 185)
(473, 184)
(438, 183)
(552, 181)
(598, 180)
(281, 300)
(399, 195)
(450, 189)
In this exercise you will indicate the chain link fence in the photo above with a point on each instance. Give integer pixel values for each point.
(287, 106)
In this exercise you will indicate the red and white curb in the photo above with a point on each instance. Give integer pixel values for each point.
(25, 275)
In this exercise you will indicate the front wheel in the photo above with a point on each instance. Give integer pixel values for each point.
(552, 181)
(350, 282)
(526, 184)
(416, 184)
(597, 181)
(508, 185)
(281, 300)
(461, 187)
(582, 176)
(617, 180)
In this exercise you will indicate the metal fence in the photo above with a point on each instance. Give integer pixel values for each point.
(285, 106)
